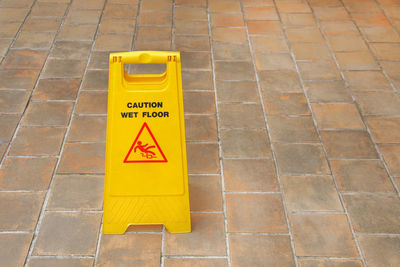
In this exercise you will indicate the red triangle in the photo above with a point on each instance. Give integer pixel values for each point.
(143, 153)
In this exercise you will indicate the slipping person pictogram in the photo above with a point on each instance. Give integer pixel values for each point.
(145, 150)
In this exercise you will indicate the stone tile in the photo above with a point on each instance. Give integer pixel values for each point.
(380, 34)
(264, 250)
(9, 29)
(292, 129)
(380, 250)
(392, 68)
(88, 4)
(99, 60)
(231, 51)
(234, 70)
(260, 13)
(83, 16)
(83, 158)
(245, 91)
(329, 262)
(206, 239)
(56, 90)
(356, 61)
(118, 26)
(12, 14)
(3, 148)
(264, 27)
(42, 24)
(153, 34)
(310, 193)
(255, 213)
(14, 248)
(154, 46)
(64, 68)
(241, 116)
(339, 28)
(348, 145)
(367, 81)
(60, 262)
(226, 20)
(13, 101)
(385, 129)
(88, 129)
(347, 43)
(183, 26)
(34, 40)
(201, 128)
(318, 70)
(279, 82)
(8, 123)
(92, 103)
(191, 43)
(71, 50)
(229, 35)
(116, 11)
(367, 20)
(378, 103)
(221, 6)
(25, 59)
(361, 176)
(286, 104)
(77, 32)
(47, 114)
(257, 3)
(18, 79)
(386, 51)
(45, 9)
(269, 44)
(293, 7)
(197, 163)
(337, 13)
(155, 18)
(205, 193)
(338, 116)
(364, 6)
(391, 155)
(4, 45)
(156, 5)
(271, 62)
(132, 249)
(35, 174)
(95, 79)
(199, 102)
(76, 192)
(145, 228)
(327, 91)
(250, 175)
(374, 213)
(24, 213)
(30, 141)
(297, 19)
(311, 51)
(58, 234)
(197, 80)
(301, 159)
(196, 60)
(304, 34)
(245, 143)
(190, 13)
(113, 42)
(325, 235)
(187, 262)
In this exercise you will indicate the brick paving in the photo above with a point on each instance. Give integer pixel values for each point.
(292, 115)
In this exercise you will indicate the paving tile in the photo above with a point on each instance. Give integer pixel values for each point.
(153, 34)
(34, 40)
(380, 34)
(47, 114)
(245, 143)
(268, 43)
(221, 6)
(378, 103)
(311, 51)
(88, 4)
(3, 148)
(4, 45)
(88, 129)
(348, 145)
(260, 13)
(99, 60)
(12, 14)
(356, 61)
(58, 234)
(117, 26)
(250, 175)
(92, 103)
(13, 101)
(14, 248)
(24, 213)
(339, 28)
(392, 68)
(155, 46)
(338, 13)
(241, 116)
(156, 5)
(301, 159)
(297, 19)
(196, 60)
(286, 104)
(361, 176)
(391, 155)
(367, 81)
(385, 130)
(374, 213)
(77, 32)
(30, 141)
(386, 51)
(234, 70)
(128, 250)
(95, 79)
(199, 102)
(82, 158)
(81, 16)
(329, 262)
(201, 3)
(8, 123)
(44, 9)
(198, 80)
(71, 50)
(113, 42)
(20, 4)
(155, 18)
(42, 24)
(264, 27)
(231, 51)
(264, 250)
(60, 262)
(337, 116)
(35, 174)
(199, 164)
(366, 20)
(183, 26)
(257, 3)
(279, 82)
(245, 91)
(347, 43)
(326, 235)
(293, 7)
(201, 128)
(327, 91)
(310, 193)
(56, 89)
(226, 20)
(380, 250)
(304, 34)
(8, 30)
(229, 35)
(25, 59)
(205, 193)
(270, 62)
(191, 43)
(187, 262)
(318, 70)
(76, 192)
(364, 6)
(190, 13)
(64, 68)
(206, 239)
(292, 129)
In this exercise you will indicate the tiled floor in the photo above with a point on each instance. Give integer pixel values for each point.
(293, 130)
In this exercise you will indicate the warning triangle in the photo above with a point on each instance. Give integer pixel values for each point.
(145, 148)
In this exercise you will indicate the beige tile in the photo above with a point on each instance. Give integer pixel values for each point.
(286, 104)
(384, 129)
(34, 40)
(245, 143)
(318, 70)
(8, 123)
(274, 62)
(268, 43)
(234, 70)
(380, 250)
(71, 50)
(329, 262)
(338, 116)
(60, 262)
(241, 116)
(367, 81)
(205, 193)
(327, 91)
(13, 101)
(244, 91)
(279, 82)
(356, 61)
(391, 155)
(198, 262)
(14, 248)
(292, 129)
(311, 51)
(378, 103)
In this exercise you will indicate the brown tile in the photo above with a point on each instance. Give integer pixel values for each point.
(82, 158)
(241, 116)
(380, 34)
(229, 35)
(271, 62)
(304, 34)
(374, 213)
(117, 26)
(339, 28)
(297, 19)
(327, 91)
(366, 19)
(191, 43)
(35, 174)
(183, 26)
(337, 116)
(257, 3)
(42, 24)
(323, 235)
(264, 250)
(64, 68)
(49, 9)
(88, 4)
(47, 114)
(380, 250)
(292, 129)
(310, 193)
(13, 101)
(77, 32)
(3, 148)
(356, 61)
(95, 79)
(391, 155)
(199, 102)
(268, 43)
(58, 235)
(24, 213)
(361, 6)
(71, 50)
(60, 262)
(348, 145)
(234, 70)
(8, 30)
(187, 262)
(260, 13)
(198, 80)
(153, 34)
(231, 51)
(329, 262)
(99, 60)
(264, 27)
(88, 129)
(385, 130)
(113, 42)
(226, 20)
(293, 7)
(92, 103)
(279, 82)
(145, 228)
(347, 43)
(31, 141)
(155, 18)
(386, 51)
(14, 248)
(25, 59)
(250, 175)
(245, 91)
(392, 68)
(195, 60)
(34, 40)
(4, 45)
(361, 176)
(156, 5)
(190, 13)
(206, 239)
(319, 70)
(12, 14)
(18, 79)
(197, 163)
(200, 128)
(245, 143)
(76, 192)
(153, 46)
(56, 90)
(205, 193)
(221, 6)
(301, 159)
(8, 123)
(286, 104)
(83, 16)
(378, 103)
(311, 51)
(331, 13)
(116, 250)
(198, 3)
(367, 80)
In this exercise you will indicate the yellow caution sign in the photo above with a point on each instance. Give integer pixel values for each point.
(146, 179)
